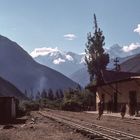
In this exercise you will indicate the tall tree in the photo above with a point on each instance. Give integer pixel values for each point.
(61, 94)
(44, 94)
(96, 58)
(38, 96)
(50, 94)
(57, 94)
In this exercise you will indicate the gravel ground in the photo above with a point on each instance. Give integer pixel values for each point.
(39, 128)
(107, 121)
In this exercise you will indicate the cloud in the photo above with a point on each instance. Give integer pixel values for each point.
(131, 47)
(137, 29)
(70, 36)
(43, 51)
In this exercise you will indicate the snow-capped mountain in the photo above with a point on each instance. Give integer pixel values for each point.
(18, 67)
(64, 62)
(72, 64)
(125, 51)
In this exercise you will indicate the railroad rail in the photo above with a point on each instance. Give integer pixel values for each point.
(93, 131)
(126, 120)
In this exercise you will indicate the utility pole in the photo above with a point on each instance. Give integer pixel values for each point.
(117, 66)
(115, 98)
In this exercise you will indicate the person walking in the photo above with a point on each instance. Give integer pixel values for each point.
(123, 110)
(100, 109)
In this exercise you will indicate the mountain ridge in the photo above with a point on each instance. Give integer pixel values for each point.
(69, 63)
(64, 62)
(19, 68)
(132, 64)
(8, 89)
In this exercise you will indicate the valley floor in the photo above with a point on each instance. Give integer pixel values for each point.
(37, 127)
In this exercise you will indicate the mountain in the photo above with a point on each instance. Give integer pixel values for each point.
(120, 59)
(72, 64)
(123, 52)
(115, 51)
(7, 89)
(18, 67)
(128, 64)
(69, 62)
(132, 64)
(81, 76)
(64, 62)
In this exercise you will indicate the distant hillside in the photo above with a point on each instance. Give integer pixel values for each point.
(121, 60)
(81, 77)
(132, 64)
(19, 68)
(7, 89)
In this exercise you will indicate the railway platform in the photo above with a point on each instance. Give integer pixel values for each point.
(116, 115)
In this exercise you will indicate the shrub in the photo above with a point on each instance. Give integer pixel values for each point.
(71, 105)
(26, 106)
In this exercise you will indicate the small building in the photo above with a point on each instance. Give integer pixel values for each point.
(8, 107)
(118, 88)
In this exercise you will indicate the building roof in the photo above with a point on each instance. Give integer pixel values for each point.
(115, 76)
(110, 76)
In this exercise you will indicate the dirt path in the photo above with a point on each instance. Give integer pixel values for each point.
(39, 128)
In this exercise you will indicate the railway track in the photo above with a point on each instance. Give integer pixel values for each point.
(93, 131)
(113, 118)
(131, 121)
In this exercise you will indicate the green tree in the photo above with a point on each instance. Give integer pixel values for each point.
(44, 94)
(61, 94)
(38, 96)
(72, 100)
(96, 58)
(57, 95)
(50, 94)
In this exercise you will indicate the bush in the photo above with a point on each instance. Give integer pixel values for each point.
(21, 112)
(55, 104)
(71, 105)
(33, 106)
(77, 100)
(73, 100)
(27, 106)
(52, 104)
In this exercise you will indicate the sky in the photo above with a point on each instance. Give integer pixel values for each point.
(65, 23)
